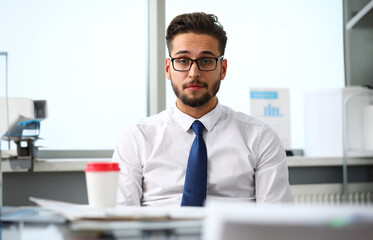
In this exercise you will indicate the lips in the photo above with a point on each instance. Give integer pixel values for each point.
(194, 86)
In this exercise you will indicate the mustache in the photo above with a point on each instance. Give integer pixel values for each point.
(195, 81)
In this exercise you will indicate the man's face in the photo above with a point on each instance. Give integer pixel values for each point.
(195, 88)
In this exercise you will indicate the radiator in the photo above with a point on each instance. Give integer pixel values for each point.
(356, 198)
(332, 194)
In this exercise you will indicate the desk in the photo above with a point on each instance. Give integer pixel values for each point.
(37, 223)
(223, 221)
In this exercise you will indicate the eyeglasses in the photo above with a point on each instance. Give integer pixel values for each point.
(203, 64)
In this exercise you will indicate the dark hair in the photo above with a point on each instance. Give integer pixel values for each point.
(200, 23)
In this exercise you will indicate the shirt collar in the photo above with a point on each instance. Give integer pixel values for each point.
(208, 120)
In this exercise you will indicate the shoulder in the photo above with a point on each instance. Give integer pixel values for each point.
(261, 138)
(145, 128)
(150, 124)
(247, 125)
(241, 118)
(154, 120)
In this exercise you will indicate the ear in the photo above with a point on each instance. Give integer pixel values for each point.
(167, 66)
(224, 66)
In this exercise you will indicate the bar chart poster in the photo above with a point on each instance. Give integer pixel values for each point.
(272, 106)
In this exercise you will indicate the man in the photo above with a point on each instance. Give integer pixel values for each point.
(164, 161)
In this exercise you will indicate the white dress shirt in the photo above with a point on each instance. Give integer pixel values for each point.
(246, 160)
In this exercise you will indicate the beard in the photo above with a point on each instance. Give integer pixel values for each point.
(193, 101)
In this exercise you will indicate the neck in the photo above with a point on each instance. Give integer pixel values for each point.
(197, 112)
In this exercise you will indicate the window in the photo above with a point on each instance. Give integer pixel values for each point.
(87, 58)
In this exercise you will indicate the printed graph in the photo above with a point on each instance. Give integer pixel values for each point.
(272, 111)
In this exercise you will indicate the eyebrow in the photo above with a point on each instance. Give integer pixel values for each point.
(203, 52)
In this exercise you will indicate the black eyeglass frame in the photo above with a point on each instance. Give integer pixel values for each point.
(196, 60)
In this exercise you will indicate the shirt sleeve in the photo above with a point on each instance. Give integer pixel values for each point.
(271, 174)
(126, 154)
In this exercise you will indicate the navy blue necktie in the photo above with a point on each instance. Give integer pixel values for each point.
(196, 175)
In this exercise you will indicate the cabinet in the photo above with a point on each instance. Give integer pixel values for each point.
(358, 42)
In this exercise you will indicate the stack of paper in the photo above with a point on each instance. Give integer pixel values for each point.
(75, 212)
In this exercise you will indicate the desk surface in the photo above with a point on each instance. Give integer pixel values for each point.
(224, 221)
(38, 223)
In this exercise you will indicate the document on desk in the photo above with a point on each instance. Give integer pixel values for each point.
(74, 212)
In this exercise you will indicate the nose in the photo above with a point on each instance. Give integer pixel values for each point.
(194, 72)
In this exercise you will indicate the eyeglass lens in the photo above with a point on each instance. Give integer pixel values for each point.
(204, 64)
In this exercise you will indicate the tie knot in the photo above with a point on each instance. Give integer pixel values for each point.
(198, 127)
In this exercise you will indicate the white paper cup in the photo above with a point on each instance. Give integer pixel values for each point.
(368, 127)
(102, 184)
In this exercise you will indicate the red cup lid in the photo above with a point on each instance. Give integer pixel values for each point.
(102, 167)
